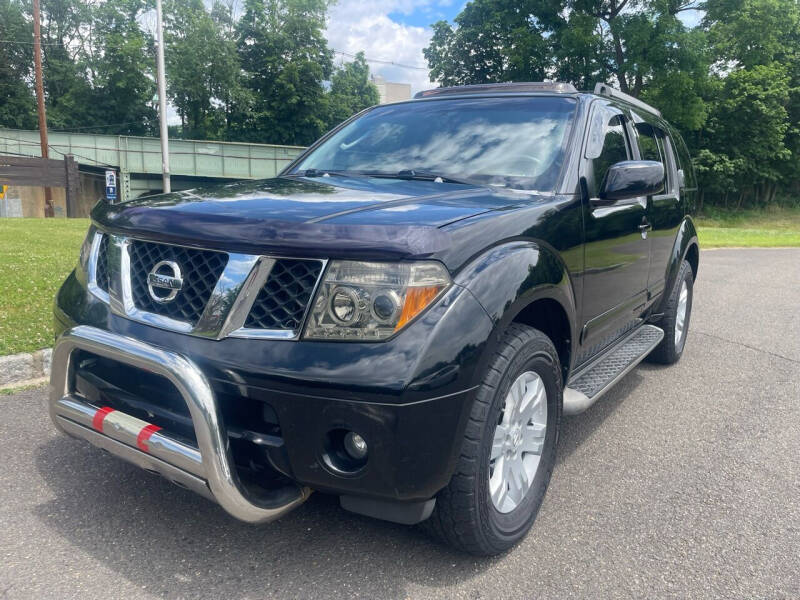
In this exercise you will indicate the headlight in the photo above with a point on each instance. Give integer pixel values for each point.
(372, 301)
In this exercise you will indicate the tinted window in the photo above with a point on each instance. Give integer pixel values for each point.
(684, 160)
(651, 145)
(648, 143)
(514, 142)
(671, 164)
(615, 149)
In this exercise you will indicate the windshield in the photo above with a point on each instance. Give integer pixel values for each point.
(514, 142)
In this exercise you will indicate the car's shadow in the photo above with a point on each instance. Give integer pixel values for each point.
(173, 543)
(576, 429)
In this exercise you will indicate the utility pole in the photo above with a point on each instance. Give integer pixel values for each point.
(37, 64)
(162, 100)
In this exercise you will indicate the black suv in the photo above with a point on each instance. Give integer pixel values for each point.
(400, 318)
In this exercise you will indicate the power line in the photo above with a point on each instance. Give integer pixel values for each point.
(383, 62)
(30, 43)
(54, 149)
(69, 129)
(5, 152)
(97, 162)
(341, 52)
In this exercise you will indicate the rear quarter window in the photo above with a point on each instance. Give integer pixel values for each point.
(684, 159)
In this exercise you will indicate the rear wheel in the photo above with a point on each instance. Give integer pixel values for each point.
(675, 321)
(508, 451)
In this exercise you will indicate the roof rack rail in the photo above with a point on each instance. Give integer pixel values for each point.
(603, 89)
(478, 88)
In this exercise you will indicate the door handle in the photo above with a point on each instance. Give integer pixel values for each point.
(645, 227)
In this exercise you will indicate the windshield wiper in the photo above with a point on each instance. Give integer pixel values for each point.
(419, 175)
(323, 173)
(410, 174)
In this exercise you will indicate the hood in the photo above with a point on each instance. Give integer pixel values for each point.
(330, 216)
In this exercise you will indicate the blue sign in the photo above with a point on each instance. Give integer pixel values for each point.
(111, 185)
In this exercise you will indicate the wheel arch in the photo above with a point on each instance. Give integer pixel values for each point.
(693, 256)
(686, 247)
(548, 316)
(525, 282)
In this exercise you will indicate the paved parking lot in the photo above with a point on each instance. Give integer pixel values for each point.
(682, 482)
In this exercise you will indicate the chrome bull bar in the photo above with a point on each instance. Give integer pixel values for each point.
(208, 469)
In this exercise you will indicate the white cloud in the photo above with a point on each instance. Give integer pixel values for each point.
(355, 26)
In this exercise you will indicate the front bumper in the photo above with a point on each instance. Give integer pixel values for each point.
(207, 469)
(409, 398)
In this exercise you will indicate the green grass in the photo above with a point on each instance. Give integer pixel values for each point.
(14, 389)
(749, 229)
(36, 255)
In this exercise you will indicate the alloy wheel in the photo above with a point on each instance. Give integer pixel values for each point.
(680, 317)
(518, 442)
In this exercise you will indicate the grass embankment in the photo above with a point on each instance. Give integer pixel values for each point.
(36, 255)
(749, 229)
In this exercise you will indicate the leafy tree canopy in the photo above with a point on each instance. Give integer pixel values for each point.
(266, 76)
(351, 90)
(17, 109)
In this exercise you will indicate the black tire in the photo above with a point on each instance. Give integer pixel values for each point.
(669, 351)
(464, 516)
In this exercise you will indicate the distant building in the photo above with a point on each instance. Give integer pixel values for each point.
(390, 91)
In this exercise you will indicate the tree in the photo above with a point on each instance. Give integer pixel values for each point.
(285, 59)
(16, 59)
(351, 90)
(123, 78)
(583, 41)
(66, 45)
(203, 67)
(755, 105)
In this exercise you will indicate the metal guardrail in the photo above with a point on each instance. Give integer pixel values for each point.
(142, 155)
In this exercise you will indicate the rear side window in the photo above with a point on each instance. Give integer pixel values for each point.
(648, 142)
(613, 150)
(684, 160)
(651, 147)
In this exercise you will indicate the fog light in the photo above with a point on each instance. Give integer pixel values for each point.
(355, 445)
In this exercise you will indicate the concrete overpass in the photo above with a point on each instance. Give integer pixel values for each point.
(138, 159)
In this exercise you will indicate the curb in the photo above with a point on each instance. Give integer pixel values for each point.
(21, 368)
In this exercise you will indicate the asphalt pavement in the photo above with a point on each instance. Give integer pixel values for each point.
(683, 481)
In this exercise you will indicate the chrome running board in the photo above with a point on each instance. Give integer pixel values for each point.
(207, 469)
(586, 386)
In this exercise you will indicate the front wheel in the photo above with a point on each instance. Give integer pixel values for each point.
(508, 451)
(675, 321)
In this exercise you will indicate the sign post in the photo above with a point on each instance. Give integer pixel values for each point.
(111, 186)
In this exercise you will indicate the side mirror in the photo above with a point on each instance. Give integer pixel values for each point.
(632, 178)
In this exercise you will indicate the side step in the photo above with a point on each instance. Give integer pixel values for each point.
(587, 385)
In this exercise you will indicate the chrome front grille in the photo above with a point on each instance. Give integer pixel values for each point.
(220, 294)
(101, 272)
(201, 270)
(282, 302)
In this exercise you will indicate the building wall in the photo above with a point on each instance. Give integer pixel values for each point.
(397, 92)
(390, 91)
(28, 201)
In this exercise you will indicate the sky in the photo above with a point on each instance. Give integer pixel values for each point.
(389, 30)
